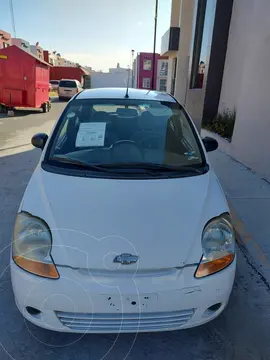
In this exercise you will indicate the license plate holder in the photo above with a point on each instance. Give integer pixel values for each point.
(130, 303)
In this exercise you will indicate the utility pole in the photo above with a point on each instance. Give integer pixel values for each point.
(154, 51)
(132, 68)
(12, 17)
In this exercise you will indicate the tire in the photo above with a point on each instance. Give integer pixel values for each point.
(3, 109)
(45, 107)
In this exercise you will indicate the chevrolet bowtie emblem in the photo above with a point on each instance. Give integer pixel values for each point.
(126, 259)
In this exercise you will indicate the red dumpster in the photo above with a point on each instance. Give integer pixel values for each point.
(24, 80)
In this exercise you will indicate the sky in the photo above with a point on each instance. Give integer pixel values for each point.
(97, 33)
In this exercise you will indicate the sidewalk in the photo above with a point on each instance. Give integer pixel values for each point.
(249, 198)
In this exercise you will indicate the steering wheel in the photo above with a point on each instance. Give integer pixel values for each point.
(147, 139)
(125, 151)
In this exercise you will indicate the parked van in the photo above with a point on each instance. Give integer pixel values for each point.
(68, 88)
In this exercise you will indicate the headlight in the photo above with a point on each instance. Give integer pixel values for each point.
(32, 244)
(218, 244)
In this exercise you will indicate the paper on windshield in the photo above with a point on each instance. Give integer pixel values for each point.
(91, 134)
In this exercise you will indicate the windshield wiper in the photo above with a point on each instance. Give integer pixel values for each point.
(115, 168)
(159, 167)
(79, 163)
(152, 169)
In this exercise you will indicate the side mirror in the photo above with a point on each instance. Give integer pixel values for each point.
(210, 144)
(39, 140)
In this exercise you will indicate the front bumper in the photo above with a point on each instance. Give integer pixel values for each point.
(85, 302)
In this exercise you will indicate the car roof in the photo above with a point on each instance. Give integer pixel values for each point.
(68, 80)
(119, 93)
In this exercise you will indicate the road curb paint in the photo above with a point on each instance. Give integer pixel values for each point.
(246, 240)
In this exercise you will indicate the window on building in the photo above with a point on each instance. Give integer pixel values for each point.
(147, 64)
(203, 31)
(5, 45)
(163, 85)
(163, 68)
(146, 83)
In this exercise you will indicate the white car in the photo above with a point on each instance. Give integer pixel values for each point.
(68, 88)
(124, 226)
(54, 84)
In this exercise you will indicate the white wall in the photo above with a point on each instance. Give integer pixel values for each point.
(192, 99)
(18, 42)
(34, 50)
(237, 51)
(175, 13)
(250, 142)
(183, 56)
(114, 79)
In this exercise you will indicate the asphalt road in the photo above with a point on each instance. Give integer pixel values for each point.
(242, 332)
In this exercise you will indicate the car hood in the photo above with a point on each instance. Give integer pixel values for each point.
(94, 220)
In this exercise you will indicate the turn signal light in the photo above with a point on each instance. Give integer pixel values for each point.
(37, 268)
(214, 266)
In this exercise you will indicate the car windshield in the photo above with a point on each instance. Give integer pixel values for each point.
(126, 134)
(66, 83)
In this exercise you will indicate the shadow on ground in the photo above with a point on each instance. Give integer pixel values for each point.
(20, 112)
(240, 333)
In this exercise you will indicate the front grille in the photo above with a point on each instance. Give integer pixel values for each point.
(125, 322)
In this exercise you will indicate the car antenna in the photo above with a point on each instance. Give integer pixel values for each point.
(127, 96)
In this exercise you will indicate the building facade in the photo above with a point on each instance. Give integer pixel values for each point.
(222, 67)
(5, 39)
(37, 51)
(55, 59)
(144, 70)
(116, 77)
(66, 62)
(52, 57)
(21, 43)
(170, 44)
(118, 69)
(162, 73)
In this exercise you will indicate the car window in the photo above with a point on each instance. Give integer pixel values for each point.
(54, 82)
(68, 83)
(116, 131)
